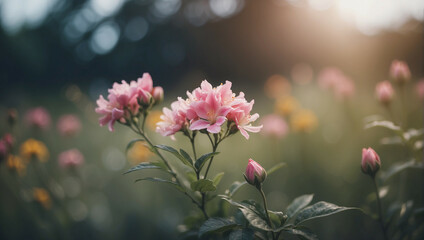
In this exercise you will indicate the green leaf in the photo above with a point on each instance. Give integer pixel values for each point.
(255, 220)
(298, 204)
(242, 234)
(132, 142)
(143, 165)
(216, 225)
(398, 167)
(317, 210)
(275, 168)
(234, 188)
(163, 181)
(217, 179)
(385, 124)
(303, 233)
(175, 153)
(202, 159)
(203, 185)
(186, 156)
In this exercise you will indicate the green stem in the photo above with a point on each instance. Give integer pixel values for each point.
(380, 212)
(266, 210)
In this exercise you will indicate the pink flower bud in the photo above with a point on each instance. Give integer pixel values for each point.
(384, 92)
(145, 97)
(255, 173)
(157, 94)
(399, 71)
(370, 161)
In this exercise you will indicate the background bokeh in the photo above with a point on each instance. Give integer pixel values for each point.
(62, 54)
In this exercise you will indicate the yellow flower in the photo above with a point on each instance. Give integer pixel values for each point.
(153, 118)
(15, 163)
(138, 153)
(286, 105)
(32, 148)
(277, 86)
(42, 197)
(304, 121)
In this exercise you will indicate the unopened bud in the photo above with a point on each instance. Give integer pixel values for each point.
(255, 174)
(384, 92)
(399, 71)
(157, 94)
(370, 162)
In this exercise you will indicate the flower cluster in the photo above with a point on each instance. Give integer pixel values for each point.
(208, 108)
(128, 99)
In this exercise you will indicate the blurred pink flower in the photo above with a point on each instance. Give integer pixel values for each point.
(370, 163)
(255, 173)
(125, 100)
(71, 158)
(38, 117)
(420, 89)
(9, 139)
(4, 149)
(274, 126)
(384, 92)
(399, 71)
(68, 125)
(344, 88)
(208, 108)
(329, 77)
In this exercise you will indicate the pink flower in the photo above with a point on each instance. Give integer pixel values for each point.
(38, 117)
(274, 126)
(125, 100)
(344, 88)
(329, 77)
(71, 158)
(399, 71)
(255, 174)
(9, 140)
(173, 120)
(157, 94)
(208, 108)
(384, 92)
(68, 125)
(370, 161)
(420, 89)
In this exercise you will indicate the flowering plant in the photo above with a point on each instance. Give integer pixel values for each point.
(217, 113)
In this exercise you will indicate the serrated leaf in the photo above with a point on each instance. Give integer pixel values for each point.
(255, 220)
(234, 188)
(175, 153)
(275, 168)
(186, 156)
(217, 179)
(163, 181)
(385, 124)
(298, 204)
(242, 234)
(141, 166)
(215, 225)
(317, 210)
(203, 185)
(398, 167)
(202, 159)
(132, 142)
(302, 232)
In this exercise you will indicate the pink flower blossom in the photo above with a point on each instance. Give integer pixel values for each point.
(274, 126)
(420, 89)
(68, 125)
(9, 140)
(344, 88)
(125, 100)
(209, 108)
(173, 120)
(38, 117)
(370, 163)
(255, 173)
(384, 92)
(399, 71)
(71, 158)
(329, 77)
